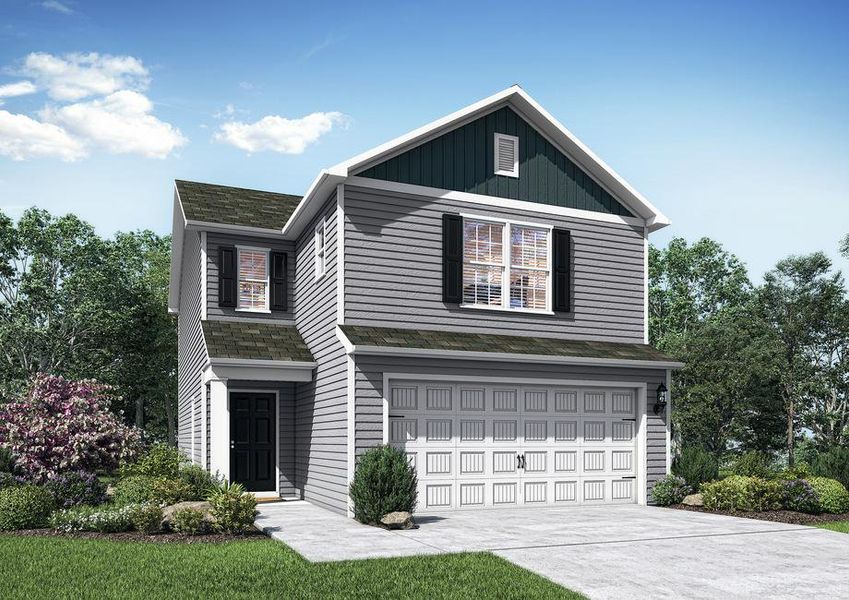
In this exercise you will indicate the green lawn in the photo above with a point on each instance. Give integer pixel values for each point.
(32, 567)
(841, 526)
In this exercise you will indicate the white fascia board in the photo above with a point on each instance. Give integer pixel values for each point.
(231, 228)
(321, 188)
(259, 370)
(178, 231)
(509, 357)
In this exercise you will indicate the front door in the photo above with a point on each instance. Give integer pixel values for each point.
(253, 440)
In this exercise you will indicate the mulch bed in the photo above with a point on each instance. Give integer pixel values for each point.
(137, 536)
(776, 516)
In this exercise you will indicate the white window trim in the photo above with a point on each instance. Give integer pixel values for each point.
(515, 141)
(267, 252)
(320, 259)
(506, 257)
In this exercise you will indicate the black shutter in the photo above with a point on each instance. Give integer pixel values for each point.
(562, 288)
(227, 276)
(279, 287)
(452, 259)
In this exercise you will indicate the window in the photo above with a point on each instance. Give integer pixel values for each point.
(506, 265)
(253, 279)
(320, 248)
(506, 155)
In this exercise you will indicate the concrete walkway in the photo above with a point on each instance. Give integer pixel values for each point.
(603, 552)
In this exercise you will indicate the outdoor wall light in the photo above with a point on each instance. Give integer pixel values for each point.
(660, 403)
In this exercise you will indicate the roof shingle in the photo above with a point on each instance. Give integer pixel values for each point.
(221, 204)
(254, 341)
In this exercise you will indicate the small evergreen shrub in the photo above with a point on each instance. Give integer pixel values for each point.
(670, 490)
(161, 460)
(188, 520)
(169, 491)
(233, 509)
(833, 496)
(136, 489)
(146, 518)
(696, 466)
(25, 507)
(384, 482)
(833, 464)
(199, 481)
(799, 471)
(76, 487)
(743, 493)
(754, 464)
(7, 461)
(104, 519)
(800, 496)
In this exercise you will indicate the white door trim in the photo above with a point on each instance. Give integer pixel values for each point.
(276, 429)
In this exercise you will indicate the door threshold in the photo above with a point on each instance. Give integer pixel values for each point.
(266, 496)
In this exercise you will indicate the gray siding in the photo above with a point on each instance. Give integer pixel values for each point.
(393, 271)
(191, 354)
(369, 393)
(213, 241)
(321, 412)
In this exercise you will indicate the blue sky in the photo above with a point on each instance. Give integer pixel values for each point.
(731, 117)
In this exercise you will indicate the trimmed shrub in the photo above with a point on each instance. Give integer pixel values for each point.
(800, 471)
(146, 518)
(833, 464)
(78, 487)
(696, 466)
(800, 496)
(233, 509)
(742, 493)
(384, 482)
(199, 481)
(169, 491)
(670, 490)
(25, 507)
(104, 519)
(188, 520)
(754, 464)
(833, 496)
(160, 460)
(137, 489)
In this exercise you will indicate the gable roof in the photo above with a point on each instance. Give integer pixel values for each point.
(524, 105)
(225, 205)
(254, 341)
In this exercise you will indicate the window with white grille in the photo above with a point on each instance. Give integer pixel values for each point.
(506, 155)
(320, 240)
(253, 279)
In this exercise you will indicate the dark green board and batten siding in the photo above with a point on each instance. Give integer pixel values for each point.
(463, 160)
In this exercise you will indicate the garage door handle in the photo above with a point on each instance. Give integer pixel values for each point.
(630, 477)
(521, 460)
(629, 419)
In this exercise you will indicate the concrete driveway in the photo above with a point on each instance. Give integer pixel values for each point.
(603, 552)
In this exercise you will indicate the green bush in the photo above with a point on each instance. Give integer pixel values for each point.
(799, 495)
(9, 480)
(833, 464)
(161, 460)
(146, 518)
(696, 466)
(7, 461)
(384, 482)
(743, 493)
(832, 495)
(799, 471)
(25, 507)
(200, 481)
(188, 520)
(144, 489)
(754, 464)
(233, 509)
(104, 519)
(670, 490)
(170, 491)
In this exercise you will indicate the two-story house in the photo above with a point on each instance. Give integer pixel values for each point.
(474, 292)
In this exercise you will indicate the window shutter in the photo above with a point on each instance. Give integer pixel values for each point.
(279, 281)
(227, 276)
(562, 288)
(452, 259)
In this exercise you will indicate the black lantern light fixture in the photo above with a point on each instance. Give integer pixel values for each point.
(660, 403)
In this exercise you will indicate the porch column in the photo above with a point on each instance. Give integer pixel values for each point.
(219, 428)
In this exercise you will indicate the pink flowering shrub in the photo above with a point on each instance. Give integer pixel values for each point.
(63, 426)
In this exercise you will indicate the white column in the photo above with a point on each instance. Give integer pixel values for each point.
(219, 428)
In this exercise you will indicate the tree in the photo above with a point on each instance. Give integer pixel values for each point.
(844, 246)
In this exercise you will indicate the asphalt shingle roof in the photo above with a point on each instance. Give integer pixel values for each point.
(255, 341)
(235, 206)
(510, 344)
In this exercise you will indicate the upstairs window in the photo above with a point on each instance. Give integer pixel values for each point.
(253, 279)
(506, 155)
(320, 239)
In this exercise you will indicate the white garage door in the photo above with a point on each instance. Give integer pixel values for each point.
(477, 445)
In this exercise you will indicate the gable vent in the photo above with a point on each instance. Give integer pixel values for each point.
(506, 155)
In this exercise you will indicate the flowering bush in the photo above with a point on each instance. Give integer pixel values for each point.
(670, 490)
(76, 487)
(106, 519)
(65, 425)
(800, 496)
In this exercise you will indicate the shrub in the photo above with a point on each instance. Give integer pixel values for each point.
(833, 496)
(9, 480)
(800, 496)
(800, 471)
(105, 519)
(137, 489)
(169, 491)
(24, 507)
(696, 466)
(200, 481)
(384, 482)
(65, 425)
(233, 509)
(7, 460)
(754, 464)
(670, 490)
(188, 520)
(146, 518)
(742, 493)
(833, 464)
(161, 460)
(77, 487)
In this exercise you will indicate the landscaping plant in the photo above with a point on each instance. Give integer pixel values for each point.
(188, 520)
(146, 518)
(754, 464)
(233, 509)
(799, 495)
(160, 460)
(696, 466)
(169, 491)
(200, 481)
(670, 490)
(103, 519)
(76, 487)
(10, 480)
(833, 464)
(384, 482)
(742, 493)
(136, 489)
(25, 507)
(832, 495)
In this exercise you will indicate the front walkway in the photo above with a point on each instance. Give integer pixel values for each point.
(603, 552)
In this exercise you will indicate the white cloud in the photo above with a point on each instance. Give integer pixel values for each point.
(278, 134)
(22, 137)
(19, 88)
(75, 76)
(120, 123)
(57, 6)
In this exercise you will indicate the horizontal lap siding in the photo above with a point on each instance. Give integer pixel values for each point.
(393, 257)
(369, 393)
(321, 424)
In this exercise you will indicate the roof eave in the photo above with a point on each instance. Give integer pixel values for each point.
(178, 230)
(322, 186)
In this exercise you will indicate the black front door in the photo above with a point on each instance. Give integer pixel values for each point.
(253, 441)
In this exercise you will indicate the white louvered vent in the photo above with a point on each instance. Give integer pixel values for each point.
(506, 155)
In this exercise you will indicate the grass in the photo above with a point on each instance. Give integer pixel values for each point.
(841, 526)
(37, 567)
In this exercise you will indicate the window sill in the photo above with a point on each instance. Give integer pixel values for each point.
(529, 311)
(263, 311)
